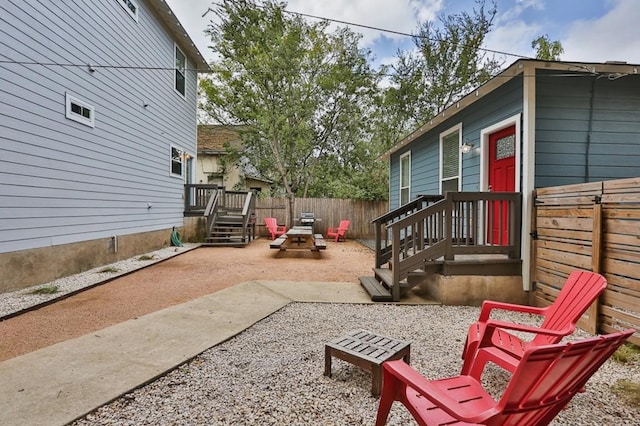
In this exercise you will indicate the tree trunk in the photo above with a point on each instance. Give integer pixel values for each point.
(292, 205)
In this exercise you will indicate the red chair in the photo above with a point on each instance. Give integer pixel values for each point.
(492, 340)
(274, 229)
(339, 231)
(542, 385)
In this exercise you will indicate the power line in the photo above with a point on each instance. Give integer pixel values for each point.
(92, 67)
(370, 27)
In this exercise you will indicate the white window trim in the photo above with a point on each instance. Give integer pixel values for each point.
(402, 157)
(184, 72)
(456, 128)
(184, 157)
(182, 153)
(131, 13)
(70, 99)
(484, 152)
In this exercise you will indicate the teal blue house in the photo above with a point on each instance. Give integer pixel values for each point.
(536, 124)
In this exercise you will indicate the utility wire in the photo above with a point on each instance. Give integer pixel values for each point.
(369, 27)
(578, 72)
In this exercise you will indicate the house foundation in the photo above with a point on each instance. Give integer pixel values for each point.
(472, 290)
(26, 268)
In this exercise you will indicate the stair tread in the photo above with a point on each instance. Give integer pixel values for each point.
(376, 290)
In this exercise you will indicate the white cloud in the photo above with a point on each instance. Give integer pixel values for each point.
(610, 37)
(396, 15)
(513, 38)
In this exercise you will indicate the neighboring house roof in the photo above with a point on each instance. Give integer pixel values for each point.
(521, 66)
(212, 138)
(176, 29)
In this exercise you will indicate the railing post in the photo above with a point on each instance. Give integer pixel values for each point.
(395, 291)
(448, 226)
(378, 228)
(516, 226)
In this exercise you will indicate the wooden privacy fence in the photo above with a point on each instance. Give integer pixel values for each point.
(327, 211)
(592, 226)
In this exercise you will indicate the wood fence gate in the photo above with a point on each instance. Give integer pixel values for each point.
(593, 226)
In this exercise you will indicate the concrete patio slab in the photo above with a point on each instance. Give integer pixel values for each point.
(60, 383)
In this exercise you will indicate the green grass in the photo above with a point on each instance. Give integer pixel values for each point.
(627, 353)
(109, 269)
(628, 390)
(50, 289)
(147, 257)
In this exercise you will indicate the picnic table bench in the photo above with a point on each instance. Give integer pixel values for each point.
(299, 238)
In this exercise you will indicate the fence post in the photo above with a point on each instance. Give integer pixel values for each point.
(596, 263)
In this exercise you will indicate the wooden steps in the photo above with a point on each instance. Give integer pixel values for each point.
(377, 291)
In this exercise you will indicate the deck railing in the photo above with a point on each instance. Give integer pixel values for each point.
(196, 197)
(210, 200)
(382, 223)
(461, 223)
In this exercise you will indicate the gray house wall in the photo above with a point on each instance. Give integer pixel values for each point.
(502, 103)
(62, 182)
(587, 128)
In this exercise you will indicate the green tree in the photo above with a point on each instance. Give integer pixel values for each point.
(300, 93)
(546, 49)
(447, 63)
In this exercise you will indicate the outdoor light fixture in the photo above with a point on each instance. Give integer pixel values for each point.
(466, 147)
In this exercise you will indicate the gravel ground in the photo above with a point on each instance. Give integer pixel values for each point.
(272, 373)
(17, 301)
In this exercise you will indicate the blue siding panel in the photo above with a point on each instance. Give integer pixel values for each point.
(62, 181)
(575, 144)
(502, 103)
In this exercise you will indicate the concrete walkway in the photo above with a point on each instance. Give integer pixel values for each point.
(65, 381)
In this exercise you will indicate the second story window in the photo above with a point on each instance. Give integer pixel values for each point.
(180, 72)
(131, 6)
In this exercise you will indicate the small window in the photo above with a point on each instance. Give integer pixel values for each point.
(177, 158)
(180, 72)
(405, 178)
(79, 111)
(181, 162)
(450, 160)
(131, 6)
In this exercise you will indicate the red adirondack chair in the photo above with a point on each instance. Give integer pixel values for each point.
(543, 384)
(491, 340)
(274, 229)
(339, 231)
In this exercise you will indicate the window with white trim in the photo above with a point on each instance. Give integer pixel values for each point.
(177, 161)
(450, 159)
(79, 110)
(180, 79)
(405, 178)
(131, 6)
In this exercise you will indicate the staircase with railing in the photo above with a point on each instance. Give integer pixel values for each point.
(460, 233)
(230, 215)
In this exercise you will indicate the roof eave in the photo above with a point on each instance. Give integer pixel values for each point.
(176, 29)
(504, 77)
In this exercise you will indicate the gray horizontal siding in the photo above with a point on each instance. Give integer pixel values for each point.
(567, 151)
(61, 181)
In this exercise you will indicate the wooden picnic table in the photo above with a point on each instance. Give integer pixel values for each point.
(299, 238)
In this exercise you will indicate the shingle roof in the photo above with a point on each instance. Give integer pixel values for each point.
(211, 138)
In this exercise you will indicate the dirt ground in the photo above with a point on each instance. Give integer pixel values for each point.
(182, 278)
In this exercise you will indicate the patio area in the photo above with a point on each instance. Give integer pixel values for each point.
(253, 353)
(272, 373)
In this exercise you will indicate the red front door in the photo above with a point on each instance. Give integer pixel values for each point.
(502, 178)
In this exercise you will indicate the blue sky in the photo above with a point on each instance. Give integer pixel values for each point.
(589, 30)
